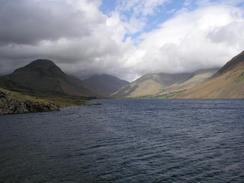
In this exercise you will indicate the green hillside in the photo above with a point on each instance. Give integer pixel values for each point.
(14, 103)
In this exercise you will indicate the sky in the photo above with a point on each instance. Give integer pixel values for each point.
(125, 38)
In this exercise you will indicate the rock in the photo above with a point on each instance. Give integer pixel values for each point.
(2, 94)
(10, 105)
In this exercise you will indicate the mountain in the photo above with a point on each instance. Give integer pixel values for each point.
(237, 61)
(104, 84)
(151, 85)
(197, 78)
(44, 77)
(228, 82)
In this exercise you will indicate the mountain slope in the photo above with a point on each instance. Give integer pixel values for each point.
(104, 84)
(197, 78)
(228, 82)
(14, 103)
(44, 77)
(151, 85)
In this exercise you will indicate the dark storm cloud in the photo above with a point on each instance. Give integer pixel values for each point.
(81, 39)
(31, 21)
(73, 33)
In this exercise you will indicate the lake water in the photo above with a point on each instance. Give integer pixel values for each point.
(126, 141)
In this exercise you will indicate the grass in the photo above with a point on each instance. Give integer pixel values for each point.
(226, 85)
(241, 77)
(12, 102)
(171, 94)
(59, 100)
(66, 101)
(22, 97)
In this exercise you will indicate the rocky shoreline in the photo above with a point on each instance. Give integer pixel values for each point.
(12, 105)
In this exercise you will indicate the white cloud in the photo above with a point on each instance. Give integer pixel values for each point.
(74, 33)
(206, 37)
(80, 38)
(136, 12)
(140, 7)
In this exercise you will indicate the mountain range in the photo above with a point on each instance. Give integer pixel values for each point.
(104, 85)
(197, 78)
(42, 86)
(226, 82)
(150, 85)
(44, 79)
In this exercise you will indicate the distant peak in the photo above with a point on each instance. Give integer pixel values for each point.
(103, 75)
(42, 62)
(45, 66)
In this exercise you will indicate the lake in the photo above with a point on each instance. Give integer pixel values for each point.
(126, 141)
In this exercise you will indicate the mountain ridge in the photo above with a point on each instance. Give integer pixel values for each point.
(150, 85)
(44, 76)
(104, 84)
(227, 83)
(238, 59)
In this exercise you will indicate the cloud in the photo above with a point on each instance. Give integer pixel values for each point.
(80, 38)
(140, 7)
(136, 13)
(203, 38)
(74, 33)
(31, 21)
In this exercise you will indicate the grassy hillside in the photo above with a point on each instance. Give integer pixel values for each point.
(198, 78)
(40, 86)
(227, 85)
(43, 76)
(150, 85)
(228, 82)
(14, 103)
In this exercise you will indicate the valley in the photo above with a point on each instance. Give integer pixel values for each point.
(42, 82)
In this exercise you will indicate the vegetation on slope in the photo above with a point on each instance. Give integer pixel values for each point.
(151, 85)
(43, 76)
(197, 79)
(14, 103)
(40, 86)
(228, 82)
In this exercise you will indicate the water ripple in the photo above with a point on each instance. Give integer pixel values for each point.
(126, 141)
